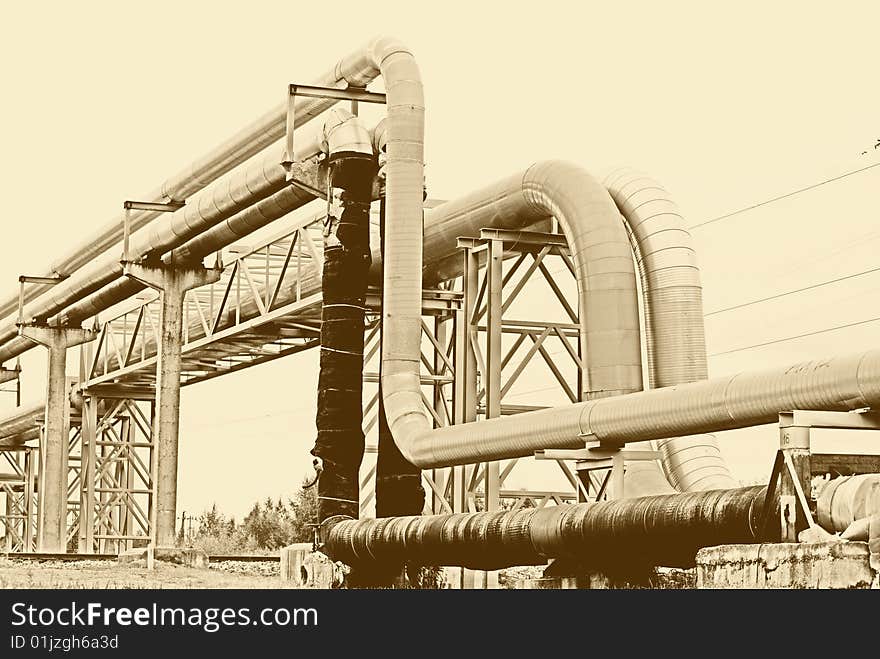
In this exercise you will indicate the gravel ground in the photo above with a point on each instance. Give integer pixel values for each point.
(256, 568)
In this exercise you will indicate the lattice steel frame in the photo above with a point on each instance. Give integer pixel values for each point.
(19, 516)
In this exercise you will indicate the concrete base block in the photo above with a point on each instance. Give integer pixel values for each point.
(181, 556)
(785, 565)
(309, 569)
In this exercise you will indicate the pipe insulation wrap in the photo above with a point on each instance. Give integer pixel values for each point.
(662, 530)
(847, 382)
(674, 330)
(846, 499)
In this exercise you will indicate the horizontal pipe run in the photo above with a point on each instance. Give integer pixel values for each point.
(22, 419)
(665, 530)
(675, 338)
(751, 398)
(225, 200)
(356, 70)
(602, 258)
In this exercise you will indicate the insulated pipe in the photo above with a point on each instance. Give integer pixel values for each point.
(21, 419)
(222, 235)
(746, 399)
(844, 500)
(12, 441)
(662, 530)
(674, 332)
(355, 70)
(224, 200)
(603, 264)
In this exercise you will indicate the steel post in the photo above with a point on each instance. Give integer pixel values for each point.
(52, 531)
(172, 281)
(10, 512)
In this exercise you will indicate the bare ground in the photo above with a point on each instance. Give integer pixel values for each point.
(110, 574)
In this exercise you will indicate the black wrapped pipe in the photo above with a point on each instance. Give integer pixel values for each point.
(339, 420)
(662, 530)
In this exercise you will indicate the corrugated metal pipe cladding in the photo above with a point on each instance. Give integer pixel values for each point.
(664, 530)
(674, 331)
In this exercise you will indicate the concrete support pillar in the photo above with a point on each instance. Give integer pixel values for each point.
(52, 532)
(172, 281)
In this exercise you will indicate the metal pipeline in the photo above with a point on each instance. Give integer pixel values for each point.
(22, 419)
(603, 265)
(662, 530)
(356, 70)
(674, 331)
(846, 499)
(403, 136)
(13, 441)
(220, 202)
(223, 234)
(847, 382)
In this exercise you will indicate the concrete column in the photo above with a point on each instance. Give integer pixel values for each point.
(52, 531)
(173, 281)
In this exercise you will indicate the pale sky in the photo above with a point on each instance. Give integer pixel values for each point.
(103, 101)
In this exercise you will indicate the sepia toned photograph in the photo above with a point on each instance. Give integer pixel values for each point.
(403, 297)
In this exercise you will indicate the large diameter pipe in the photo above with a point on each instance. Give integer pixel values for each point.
(357, 70)
(664, 530)
(745, 399)
(674, 332)
(604, 268)
(846, 499)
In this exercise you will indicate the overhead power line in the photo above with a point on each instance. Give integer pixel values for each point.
(797, 336)
(797, 290)
(786, 195)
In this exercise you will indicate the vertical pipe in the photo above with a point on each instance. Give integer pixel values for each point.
(399, 488)
(339, 418)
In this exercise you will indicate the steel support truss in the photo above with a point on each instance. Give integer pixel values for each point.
(19, 516)
(480, 344)
(796, 464)
(112, 476)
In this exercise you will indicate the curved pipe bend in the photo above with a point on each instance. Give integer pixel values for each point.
(674, 332)
(605, 272)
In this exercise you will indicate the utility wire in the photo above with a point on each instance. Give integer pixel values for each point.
(797, 290)
(797, 336)
(785, 196)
